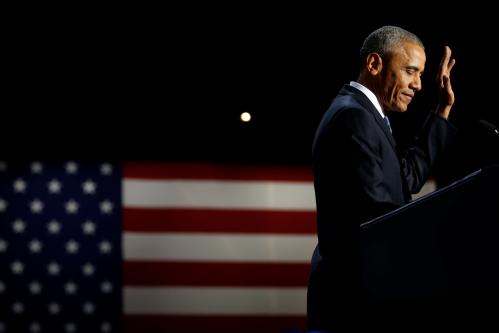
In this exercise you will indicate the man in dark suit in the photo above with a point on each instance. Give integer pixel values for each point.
(359, 174)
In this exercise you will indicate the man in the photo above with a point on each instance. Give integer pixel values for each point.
(358, 172)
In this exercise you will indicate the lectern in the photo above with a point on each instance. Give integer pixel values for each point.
(435, 261)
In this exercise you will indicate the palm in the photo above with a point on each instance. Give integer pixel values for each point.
(446, 94)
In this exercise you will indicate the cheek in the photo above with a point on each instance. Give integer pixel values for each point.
(394, 93)
(394, 84)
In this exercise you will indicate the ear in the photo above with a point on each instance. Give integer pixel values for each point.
(374, 63)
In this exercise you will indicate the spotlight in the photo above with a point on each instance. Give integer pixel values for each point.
(246, 117)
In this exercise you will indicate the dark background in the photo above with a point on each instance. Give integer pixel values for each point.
(170, 84)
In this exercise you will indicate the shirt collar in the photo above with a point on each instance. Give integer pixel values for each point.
(369, 94)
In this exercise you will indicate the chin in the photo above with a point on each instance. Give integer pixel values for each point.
(402, 108)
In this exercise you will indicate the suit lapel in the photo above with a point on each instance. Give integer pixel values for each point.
(366, 103)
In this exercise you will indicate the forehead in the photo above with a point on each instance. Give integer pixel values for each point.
(410, 54)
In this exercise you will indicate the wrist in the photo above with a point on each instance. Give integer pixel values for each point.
(443, 111)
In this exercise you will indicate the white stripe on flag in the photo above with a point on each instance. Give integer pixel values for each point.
(215, 301)
(219, 194)
(210, 247)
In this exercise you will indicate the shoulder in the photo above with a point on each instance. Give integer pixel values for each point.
(348, 111)
(352, 115)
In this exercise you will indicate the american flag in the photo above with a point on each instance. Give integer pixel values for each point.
(60, 247)
(154, 247)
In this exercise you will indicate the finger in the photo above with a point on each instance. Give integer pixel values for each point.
(451, 64)
(445, 82)
(446, 57)
(444, 63)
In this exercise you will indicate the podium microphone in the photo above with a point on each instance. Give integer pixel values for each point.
(489, 127)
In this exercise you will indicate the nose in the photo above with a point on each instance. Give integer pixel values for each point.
(416, 84)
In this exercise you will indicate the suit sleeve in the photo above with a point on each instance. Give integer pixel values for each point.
(418, 160)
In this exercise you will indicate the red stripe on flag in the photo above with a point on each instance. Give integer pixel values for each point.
(220, 221)
(215, 171)
(215, 274)
(219, 324)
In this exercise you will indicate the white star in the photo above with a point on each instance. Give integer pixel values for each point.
(72, 246)
(89, 187)
(105, 327)
(3, 245)
(54, 227)
(72, 207)
(18, 307)
(88, 227)
(3, 205)
(71, 167)
(18, 226)
(36, 167)
(3, 166)
(35, 327)
(53, 268)
(106, 169)
(54, 308)
(88, 308)
(17, 267)
(70, 328)
(54, 186)
(70, 288)
(36, 206)
(106, 287)
(88, 269)
(105, 246)
(2, 287)
(35, 246)
(106, 207)
(19, 186)
(35, 287)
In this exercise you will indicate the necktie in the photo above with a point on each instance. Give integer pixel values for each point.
(387, 123)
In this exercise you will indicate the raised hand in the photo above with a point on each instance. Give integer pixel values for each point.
(446, 94)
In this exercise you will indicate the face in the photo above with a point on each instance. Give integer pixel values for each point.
(400, 77)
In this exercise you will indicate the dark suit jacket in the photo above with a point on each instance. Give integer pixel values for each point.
(359, 175)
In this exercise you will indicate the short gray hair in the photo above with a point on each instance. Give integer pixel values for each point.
(385, 40)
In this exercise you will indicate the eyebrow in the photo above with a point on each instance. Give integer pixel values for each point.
(412, 67)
